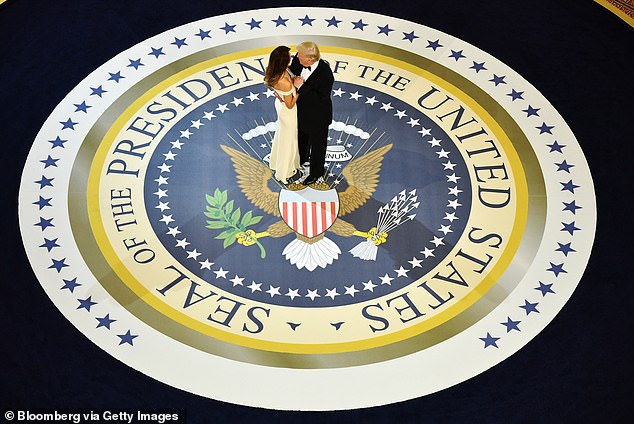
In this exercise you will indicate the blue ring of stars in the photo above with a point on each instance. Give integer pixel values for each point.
(293, 293)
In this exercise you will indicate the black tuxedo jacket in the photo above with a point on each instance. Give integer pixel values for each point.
(314, 106)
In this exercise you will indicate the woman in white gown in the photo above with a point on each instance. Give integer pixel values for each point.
(284, 159)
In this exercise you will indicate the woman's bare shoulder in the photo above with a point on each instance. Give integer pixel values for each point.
(283, 84)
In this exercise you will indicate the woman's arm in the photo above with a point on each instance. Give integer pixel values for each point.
(290, 100)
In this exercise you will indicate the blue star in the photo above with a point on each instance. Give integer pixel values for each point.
(98, 91)
(58, 264)
(306, 21)
(410, 36)
(58, 142)
(280, 21)
(203, 34)
(68, 124)
(45, 182)
(105, 321)
(156, 52)
(82, 107)
(45, 223)
(511, 325)
(565, 248)
(86, 303)
(49, 244)
(531, 111)
(572, 207)
(49, 161)
(489, 340)
(478, 66)
(42, 203)
(228, 28)
(563, 166)
(70, 284)
(545, 288)
(116, 77)
(543, 128)
(556, 147)
(127, 338)
(254, 24)
(529, 307)
(333, 22)
(433, 45)
(136, 64)
(557, 269)
(179, 42)
(570, 227)
(384, 30)
(497, 80)
(456, 55)
(570, 186)
(359, 24)
(516, 95)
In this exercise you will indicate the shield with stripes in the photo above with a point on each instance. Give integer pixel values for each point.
(309, 212)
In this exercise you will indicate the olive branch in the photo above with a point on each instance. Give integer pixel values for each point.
(233, 223)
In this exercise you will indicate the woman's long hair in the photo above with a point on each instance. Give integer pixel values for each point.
(278, 62)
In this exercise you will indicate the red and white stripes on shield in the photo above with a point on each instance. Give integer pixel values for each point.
(309, 218)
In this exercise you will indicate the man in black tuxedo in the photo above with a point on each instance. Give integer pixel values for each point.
(313, 80)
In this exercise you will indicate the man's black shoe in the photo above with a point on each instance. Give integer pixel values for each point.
(294, 178)
(311, 179)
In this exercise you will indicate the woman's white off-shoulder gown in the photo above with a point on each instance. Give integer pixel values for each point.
(284, 159)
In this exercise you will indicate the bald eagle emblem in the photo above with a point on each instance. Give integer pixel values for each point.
(311, 212)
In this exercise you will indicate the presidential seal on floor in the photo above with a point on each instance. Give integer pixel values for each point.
(454, 217)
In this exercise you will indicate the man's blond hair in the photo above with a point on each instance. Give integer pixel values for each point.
(309, 49)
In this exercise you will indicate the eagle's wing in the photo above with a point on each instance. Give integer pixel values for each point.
(342, 228)
(253, 177)
(279, 229)
(362, 175)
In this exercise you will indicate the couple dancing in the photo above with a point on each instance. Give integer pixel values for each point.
(302, 86)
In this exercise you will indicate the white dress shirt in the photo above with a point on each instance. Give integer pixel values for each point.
(307, 72)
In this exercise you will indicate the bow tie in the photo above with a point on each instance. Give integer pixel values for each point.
(308, 67)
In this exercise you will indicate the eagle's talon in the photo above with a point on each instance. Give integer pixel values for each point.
(376, 238)
(247, 238)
